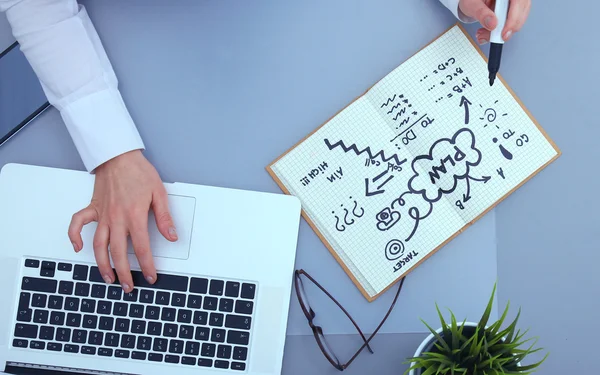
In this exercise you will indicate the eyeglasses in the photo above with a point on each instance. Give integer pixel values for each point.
(318, 331)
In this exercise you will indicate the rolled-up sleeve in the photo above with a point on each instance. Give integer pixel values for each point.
(63, 48)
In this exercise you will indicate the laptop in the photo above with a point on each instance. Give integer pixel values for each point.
(219, 306)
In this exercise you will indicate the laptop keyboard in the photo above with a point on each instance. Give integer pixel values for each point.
(180, 320)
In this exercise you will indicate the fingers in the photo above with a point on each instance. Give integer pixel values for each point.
(480, 10)
(483, 36)
(79, 220)
(141, 245)
(101, 252)
(517, 15)
(118, 253)
(164, 222)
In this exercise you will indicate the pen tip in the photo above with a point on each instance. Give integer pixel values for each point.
(492, 79)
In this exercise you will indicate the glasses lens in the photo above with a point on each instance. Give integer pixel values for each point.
(326, 347)
(304, 300)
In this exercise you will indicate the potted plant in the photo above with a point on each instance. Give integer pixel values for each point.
(473, 348)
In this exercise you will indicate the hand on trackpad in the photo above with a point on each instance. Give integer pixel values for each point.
(182, 210)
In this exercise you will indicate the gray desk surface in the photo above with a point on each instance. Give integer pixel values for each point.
(185, 65)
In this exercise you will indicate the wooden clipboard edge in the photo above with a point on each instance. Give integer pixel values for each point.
(369, 298)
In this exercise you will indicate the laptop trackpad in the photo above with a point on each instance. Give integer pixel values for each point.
(182, 210)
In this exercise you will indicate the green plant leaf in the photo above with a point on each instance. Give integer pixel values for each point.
(488, 362)
(488, 310)
(476, 344)
(437, 336)
(467, 343)
(524, 370)
(512, 327)
(429, 371)
(442, 358)
(414, 367)
(498, 323)
(455, 333)
(462, 327)
(443, 322)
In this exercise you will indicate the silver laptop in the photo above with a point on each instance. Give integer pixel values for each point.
(220, 304)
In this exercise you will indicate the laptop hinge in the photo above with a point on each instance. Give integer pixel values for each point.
(35, 369)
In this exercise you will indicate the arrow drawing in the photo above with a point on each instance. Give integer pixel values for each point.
(467, 196)
(379, 190)
(465, 102)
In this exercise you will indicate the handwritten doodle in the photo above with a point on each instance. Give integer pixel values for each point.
(500, 173)
(424, 78)
(464, 102)
(387, 218)
(522, 140)
(379, 190)
(394, 167)
(460, 204)
(507, 134)
(349, 217)
(396, 106)
(408, 134)
(507, 154)
(337, 223)
(450, 76)
(448, 161)
(373, 162)
(356, 209)
(337, 175)
(400, 113)
(467, 195)
(407, 129)
(404, 261)
(461, 87)
(426, 122)
(444, 65)
(313, 173)
(415, 205)
(366, 150)
(490, 115)
(391, 100)
(394, 250)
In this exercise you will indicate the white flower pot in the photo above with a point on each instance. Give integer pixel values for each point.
(428, 343)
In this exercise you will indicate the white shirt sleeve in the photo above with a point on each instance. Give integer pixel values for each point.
(452, 5)
(63, 48)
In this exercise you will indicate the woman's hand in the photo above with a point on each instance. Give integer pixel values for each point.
(125, 190)
(482, 10)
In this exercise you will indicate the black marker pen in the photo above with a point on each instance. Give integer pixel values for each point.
(496, 41)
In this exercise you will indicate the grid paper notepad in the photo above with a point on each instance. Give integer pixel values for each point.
(413, 162)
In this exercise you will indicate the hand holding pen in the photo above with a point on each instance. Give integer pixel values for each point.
(483, 11)
(500, 20)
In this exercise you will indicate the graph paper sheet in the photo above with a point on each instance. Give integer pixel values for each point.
(410, 164)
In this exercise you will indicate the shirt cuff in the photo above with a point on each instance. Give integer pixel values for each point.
(101, 127)
(453, 6)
